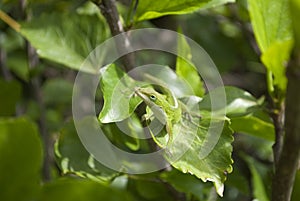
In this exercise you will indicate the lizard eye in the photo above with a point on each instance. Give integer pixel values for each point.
(153, 97)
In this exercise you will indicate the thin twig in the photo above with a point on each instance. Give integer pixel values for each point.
(10, 21)
(33, 62)
(278, 121)
(37, 91)
(245, 29)
(109, 10)
(5, 71)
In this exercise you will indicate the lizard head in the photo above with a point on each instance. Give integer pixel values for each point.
(151, 95)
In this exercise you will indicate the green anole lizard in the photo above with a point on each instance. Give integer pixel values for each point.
(164, 107)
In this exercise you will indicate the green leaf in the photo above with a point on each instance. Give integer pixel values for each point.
(238, 101)
(192, 138)
(213, 167)
(271, 23)
(186, 69)
(72, 157)
(55, 120)
(148, 9)
(259, 191)
(186, 183)
(166, 77)
(295, 14)
(262, 148)
(69, 189)
(237, 180)
(275, 59)
(149, 191)
(21, 159)
(211, 35)
(8, 103)
(88, 8)
(245, 112)
(10, 40)
(65, 38)
(296, 192)
(117, 87)
(17, 62)
(127, 137)
(253, 125)
(57, 91)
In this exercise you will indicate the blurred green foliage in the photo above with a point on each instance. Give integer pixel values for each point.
(36, 96)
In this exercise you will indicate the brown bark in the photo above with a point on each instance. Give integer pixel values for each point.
(287, 165)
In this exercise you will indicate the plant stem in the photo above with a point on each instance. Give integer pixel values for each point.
(37, 91)
(5, 71)
(287, 164)
(278, 121)
(35, 82)
(109, 10)
(10, 21)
